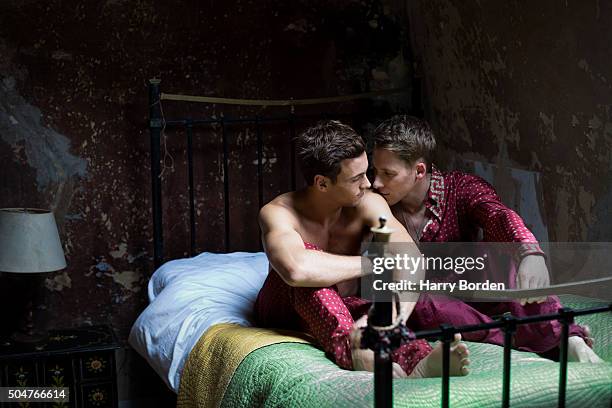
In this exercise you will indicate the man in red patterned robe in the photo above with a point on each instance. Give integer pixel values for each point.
(451, 207)
(312, 238)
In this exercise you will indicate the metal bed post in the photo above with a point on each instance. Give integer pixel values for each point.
(260, 185)
(292, 137)
(226, 206)
(155, 129)
(382, 315)
(567, 317)
(448, 335)
(509, 329)
(383, 365)
(192, 224)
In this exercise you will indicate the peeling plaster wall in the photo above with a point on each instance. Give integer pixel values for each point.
(525, 85)
(74, 138)
(73, 123)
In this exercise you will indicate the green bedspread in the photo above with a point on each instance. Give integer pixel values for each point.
(299, 375)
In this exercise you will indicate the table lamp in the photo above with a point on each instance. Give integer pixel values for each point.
(29, 244)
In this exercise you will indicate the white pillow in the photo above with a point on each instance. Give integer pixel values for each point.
(187, 296)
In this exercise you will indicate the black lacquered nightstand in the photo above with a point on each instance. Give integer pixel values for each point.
(82, 359)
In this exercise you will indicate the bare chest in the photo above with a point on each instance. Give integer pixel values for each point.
(344, 237)
(414, 223)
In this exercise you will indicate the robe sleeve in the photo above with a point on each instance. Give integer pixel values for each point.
(478, 201)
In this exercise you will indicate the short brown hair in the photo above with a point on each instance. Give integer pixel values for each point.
(409, 137)
(321, 148)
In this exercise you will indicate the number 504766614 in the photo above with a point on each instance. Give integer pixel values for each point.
(34, 394)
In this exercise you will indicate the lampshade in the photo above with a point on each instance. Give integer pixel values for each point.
(29, 241)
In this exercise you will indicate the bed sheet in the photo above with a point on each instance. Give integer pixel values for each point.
(188, 296)
(300, 375)
(233, 366)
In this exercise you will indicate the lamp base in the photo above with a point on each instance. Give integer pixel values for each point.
(30, 333)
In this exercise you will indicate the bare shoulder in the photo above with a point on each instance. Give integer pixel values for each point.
(371, 198)
(371, 207)
(279, 211)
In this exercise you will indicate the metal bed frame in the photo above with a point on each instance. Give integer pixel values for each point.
(157, 123)
(383, 389)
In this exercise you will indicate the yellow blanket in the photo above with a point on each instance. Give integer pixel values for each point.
(212, 362)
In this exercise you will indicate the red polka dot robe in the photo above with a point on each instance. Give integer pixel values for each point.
(457, 205)
(325, 315)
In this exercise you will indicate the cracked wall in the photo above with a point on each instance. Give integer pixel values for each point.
(74, 137)
(73, 123)
(526, 85)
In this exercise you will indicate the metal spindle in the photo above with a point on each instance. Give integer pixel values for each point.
(509, 329)
(382, 315)
(260, 185)
(566, 319)
(155, 128)
(292, 137)
(226, 185)
(192, 224)
(383, 376)
(448, 335)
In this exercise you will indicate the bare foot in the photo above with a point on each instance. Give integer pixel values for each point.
(578, 350)
(363, 360)
(431, 365)
(589, 340)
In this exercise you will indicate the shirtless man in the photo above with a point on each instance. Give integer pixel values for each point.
(444, 207)
(312, 238)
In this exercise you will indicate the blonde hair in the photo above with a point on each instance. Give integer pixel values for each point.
(409, 137)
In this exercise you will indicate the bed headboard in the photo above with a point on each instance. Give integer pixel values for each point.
(347, 109)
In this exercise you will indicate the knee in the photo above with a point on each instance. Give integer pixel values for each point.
(361, 322)
(356, 331)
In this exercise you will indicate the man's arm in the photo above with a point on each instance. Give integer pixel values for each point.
(479, 201)
(296, 265)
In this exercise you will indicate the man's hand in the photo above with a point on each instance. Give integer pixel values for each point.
(406, 308)
(532, 274)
